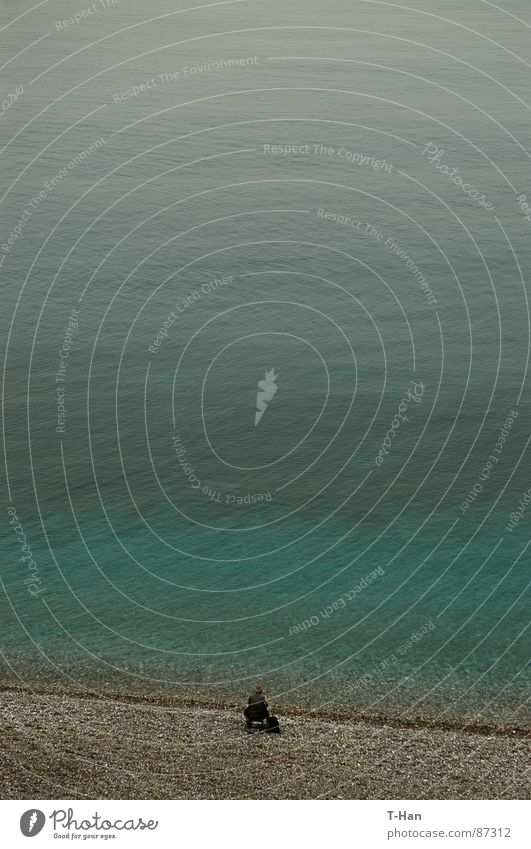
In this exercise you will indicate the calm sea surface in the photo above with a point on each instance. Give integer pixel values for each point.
(328, 193)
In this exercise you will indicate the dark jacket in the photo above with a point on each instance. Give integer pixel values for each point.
(256, 709)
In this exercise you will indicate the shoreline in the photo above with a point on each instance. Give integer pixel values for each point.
(61, 743)
(345, 714)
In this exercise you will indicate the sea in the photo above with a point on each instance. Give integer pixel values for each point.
(265, 330)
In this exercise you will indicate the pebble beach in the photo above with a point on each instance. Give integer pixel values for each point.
(90, 745)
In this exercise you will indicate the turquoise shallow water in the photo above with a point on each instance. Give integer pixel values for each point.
(278, 209)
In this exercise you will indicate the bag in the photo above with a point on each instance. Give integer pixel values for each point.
(273, 725)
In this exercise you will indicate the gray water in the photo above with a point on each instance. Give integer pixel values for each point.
(274, 181)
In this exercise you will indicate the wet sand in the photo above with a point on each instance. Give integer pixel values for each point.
(60, 744)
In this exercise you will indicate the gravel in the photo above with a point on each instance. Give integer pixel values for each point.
(95, 746)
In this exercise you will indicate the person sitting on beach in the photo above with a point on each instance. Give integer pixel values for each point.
(257, 706)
